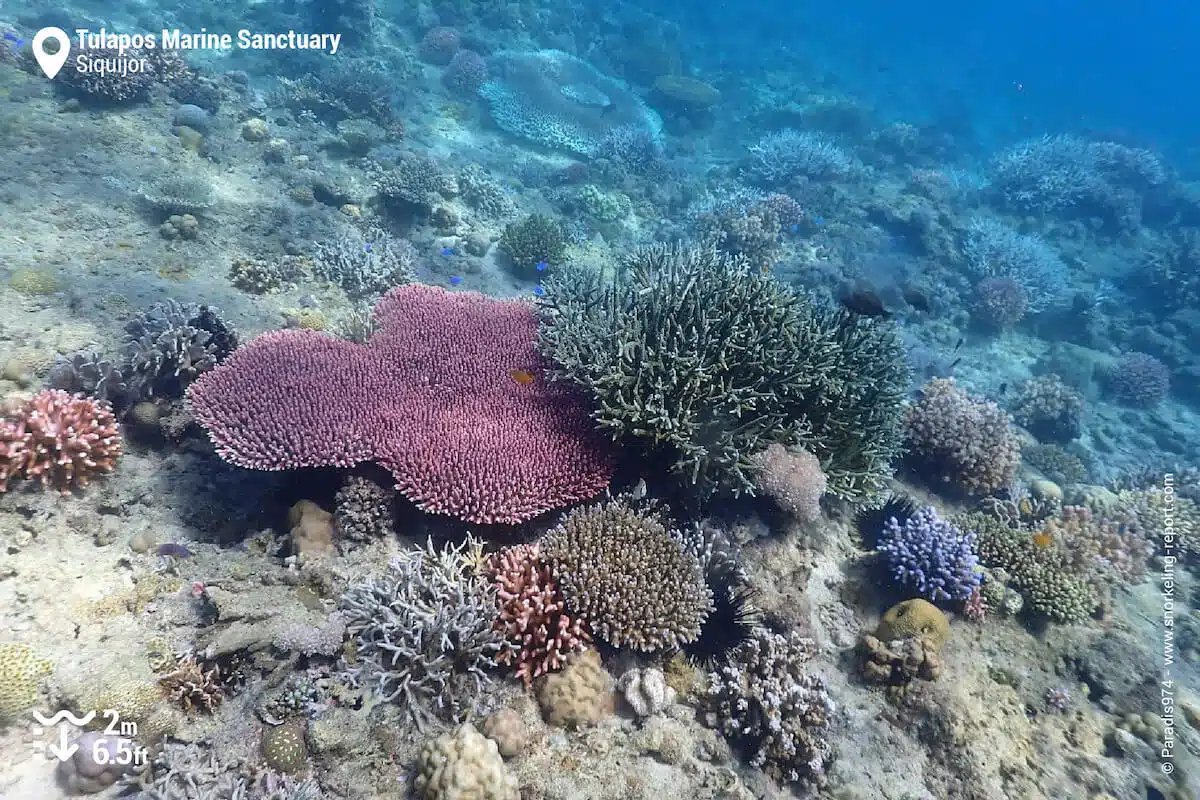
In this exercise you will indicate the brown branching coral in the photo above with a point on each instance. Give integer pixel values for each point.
(193, 687)
(623, 571)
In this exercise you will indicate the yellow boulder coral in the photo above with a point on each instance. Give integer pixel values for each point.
(20, 672)
(915, 618)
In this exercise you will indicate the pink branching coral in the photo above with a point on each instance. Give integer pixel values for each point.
(449, 395)
(533, 614)
(59, 440)
(793, 479)
(966, 441)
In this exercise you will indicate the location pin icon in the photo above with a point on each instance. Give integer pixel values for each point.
(51, 63)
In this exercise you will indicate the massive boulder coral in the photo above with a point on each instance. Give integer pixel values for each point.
(431, 397)
(59, 440)
(704, 361)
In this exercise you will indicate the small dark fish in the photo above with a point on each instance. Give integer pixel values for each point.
(173, 550)
(958, 344)
(1003, 387)
(916, 299)
(954, 364)
(865, 303)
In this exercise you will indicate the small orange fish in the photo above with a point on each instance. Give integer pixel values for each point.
(1043, 539)
(521, 376)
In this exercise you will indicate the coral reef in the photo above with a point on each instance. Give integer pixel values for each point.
(533, 614)
(556, 100)
(425, 632)
(463, 764)
(534, 243)
(962, 440)
(994, 250)
(766, 702)
(363, 509)
(771, 368)
(520, 449)
(1139, 380)
(169, 344)
(793, 479)
(59, 440)
(365, 266)
(623, 572)
(20, 672)
(928, 555)
(1049, 409)
(786, 157)
(578, 696)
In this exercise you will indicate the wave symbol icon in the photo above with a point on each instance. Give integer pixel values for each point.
(64, 714)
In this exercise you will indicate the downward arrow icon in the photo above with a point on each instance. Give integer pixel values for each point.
(64, 749)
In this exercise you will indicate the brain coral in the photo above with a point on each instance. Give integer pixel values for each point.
(559, 101)
(431, 397)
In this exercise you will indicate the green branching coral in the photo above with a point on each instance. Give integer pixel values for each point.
(536, 239)
(1043, 575)
(704, 361)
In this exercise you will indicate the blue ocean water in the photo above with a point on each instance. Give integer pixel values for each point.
(1004, 69)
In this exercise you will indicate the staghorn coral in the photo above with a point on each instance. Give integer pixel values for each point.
(533, 615)
(787, 157)
(1061, 173)
(58, 440)
(425, 632)
(793, 479)
(994, 250)
(704, 361)
(293, 399)
(365, 265)
(928, 555)
(92, 375)
(962, 440)
(624, 572)
(766, 702)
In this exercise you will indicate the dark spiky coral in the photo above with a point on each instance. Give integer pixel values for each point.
(171, 343)
(629, 576)
(703, 360)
